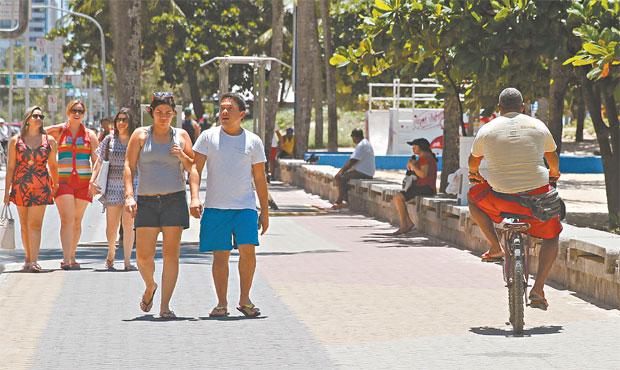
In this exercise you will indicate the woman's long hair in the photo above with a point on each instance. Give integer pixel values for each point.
(130, 123)
(25, 124)
(424, 145)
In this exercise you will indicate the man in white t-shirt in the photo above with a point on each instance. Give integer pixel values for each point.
(235, 157)
(361, 165)
(514, 146)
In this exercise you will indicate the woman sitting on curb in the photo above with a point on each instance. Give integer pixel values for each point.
(425, 171)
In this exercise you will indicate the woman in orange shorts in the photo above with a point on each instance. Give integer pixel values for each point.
(76, 156)
(28, 182)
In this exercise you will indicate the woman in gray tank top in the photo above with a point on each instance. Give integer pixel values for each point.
(159, 154)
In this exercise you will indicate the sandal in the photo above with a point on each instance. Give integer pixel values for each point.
(146, 306)
(109, 264)
(219, 311)
(537, 301)
(27, 267)
(249, 310)
(75, 266)
(486, 257)
(168, 315)
(65, 266)
(130, 268)
(34, 267)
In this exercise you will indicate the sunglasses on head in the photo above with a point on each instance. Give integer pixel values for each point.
(163, 94)
(38, 116)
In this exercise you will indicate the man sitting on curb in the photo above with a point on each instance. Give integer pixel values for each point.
(361, 165)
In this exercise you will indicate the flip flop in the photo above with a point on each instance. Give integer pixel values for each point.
(486, 257)
(146, 306)
(219, 311)
(249, 310)
(168, 315)
(539, 302)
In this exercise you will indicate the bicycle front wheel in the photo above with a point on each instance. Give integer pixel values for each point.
(517, 296)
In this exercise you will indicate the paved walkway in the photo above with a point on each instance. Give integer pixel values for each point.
(336, 290)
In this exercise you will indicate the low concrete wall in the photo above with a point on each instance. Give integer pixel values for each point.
(588, 261)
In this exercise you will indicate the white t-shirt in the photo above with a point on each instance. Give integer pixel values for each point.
(366, 157)
(229, 167)
(513, 146)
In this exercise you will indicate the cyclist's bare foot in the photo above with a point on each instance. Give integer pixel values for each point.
(492, 256)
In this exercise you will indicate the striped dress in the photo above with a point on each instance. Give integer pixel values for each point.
(74, 167)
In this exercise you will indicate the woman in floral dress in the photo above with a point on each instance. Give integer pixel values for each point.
(31, 181)
(113, 148)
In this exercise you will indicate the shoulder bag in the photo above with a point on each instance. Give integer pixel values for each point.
(102, 177)
(7, 228)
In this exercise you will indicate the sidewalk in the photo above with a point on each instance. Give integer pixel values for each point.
(337, 291)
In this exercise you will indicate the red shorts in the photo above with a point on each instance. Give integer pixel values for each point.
(273, 153)
(482, 196)
(77, 192)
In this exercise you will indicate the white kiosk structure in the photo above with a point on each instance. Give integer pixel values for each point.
(394, 120)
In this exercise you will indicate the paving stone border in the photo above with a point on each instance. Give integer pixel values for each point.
(588, 261)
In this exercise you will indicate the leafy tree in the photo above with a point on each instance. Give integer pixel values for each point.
(598, 62)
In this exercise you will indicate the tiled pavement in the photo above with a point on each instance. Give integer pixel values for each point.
(336, 291)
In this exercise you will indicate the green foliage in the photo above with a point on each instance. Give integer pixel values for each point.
(600, 38)
(484, 45)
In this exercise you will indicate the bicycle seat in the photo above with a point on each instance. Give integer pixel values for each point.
(512, 221)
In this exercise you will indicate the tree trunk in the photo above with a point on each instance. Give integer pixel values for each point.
(557, 90)
(580, 115)
(277, 24)
(330, 80)
(451, 124)
(194, 90)
(303, 75)
(317, 84)
(607, 138)
(126, 36)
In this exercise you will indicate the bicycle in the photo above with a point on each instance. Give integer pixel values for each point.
(515, 268)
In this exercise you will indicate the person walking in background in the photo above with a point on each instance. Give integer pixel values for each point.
(423, 170)
(287, 143)
(158, 154)
(5, 136)
(235, 157)
(113, 148)
(361, 165)
(190, 126)
(107, 127)
(273, 154)
(76, 156)
(31, 181)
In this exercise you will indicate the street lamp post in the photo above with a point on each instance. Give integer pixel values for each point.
(106, 104)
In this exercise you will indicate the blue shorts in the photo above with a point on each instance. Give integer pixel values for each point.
(220, 229)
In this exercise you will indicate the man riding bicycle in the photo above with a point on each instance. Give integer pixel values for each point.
(514, 145)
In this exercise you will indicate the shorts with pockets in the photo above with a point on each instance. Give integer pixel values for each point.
(482, 196)
(221, 229)
(162, 210)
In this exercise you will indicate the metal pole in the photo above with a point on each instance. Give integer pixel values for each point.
(12, 76)
(261, 104)
(223, 77)
(27, 74)
(106, 99)
(255, 102)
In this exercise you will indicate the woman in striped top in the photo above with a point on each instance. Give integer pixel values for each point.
(76, 155)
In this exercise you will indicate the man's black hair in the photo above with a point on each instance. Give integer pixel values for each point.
(237, 98)
(357, 132)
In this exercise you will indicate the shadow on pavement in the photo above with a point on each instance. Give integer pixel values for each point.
(152, 318)
(409, 240)
(231, 318)
(540, 330)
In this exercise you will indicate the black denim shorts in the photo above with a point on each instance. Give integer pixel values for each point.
(162, 210)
